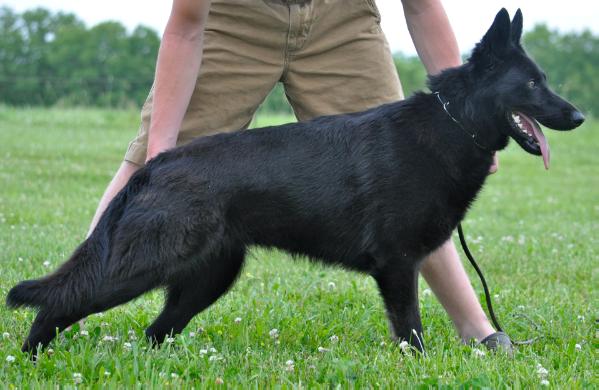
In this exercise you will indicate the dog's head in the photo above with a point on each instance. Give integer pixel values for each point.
(510, 91)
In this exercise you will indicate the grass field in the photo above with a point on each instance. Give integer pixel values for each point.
(534, 233)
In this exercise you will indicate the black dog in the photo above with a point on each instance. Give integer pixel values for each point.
(374, 191)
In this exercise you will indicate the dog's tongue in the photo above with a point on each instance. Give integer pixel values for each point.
(533, 126)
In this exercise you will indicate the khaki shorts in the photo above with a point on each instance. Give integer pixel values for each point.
(330, 55)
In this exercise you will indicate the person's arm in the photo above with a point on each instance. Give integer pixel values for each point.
(177, 68)
(432, 34)
(434, 39)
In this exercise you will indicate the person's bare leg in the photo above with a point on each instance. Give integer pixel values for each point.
(444, 273)
(121, 177)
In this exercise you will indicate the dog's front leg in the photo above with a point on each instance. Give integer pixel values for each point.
(398, 283)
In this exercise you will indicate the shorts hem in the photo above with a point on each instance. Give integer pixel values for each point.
(136, 154)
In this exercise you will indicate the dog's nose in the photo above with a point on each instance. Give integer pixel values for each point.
(577, 118)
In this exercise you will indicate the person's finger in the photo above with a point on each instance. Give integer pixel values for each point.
(495, 164)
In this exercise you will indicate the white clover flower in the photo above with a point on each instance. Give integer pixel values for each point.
(10, 358)
(46, 263)
(426, 292)
(50, 351)
(203, 351)
(109, 339)
(192, 334)
(334, 338)
(544, 382)
(20, 259)
(578, 347)
(542, 371)
(174, 375)
(404, 346)
(212, 350)
(5, 335)
(581, 318)
(84, 333)
(382, 344)
(237, 320)
(127, 346)
(323, 349)
(478, 352)
(106, 373)
(170, 340)
(214, 358)
(289, 365)
(77, 377)
(332, 285)
(274, 333)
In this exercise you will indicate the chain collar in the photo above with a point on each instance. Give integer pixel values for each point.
(444, 104)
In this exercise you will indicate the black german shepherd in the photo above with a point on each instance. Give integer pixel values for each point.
(374, 191)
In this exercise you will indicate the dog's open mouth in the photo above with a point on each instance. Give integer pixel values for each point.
(528, 134)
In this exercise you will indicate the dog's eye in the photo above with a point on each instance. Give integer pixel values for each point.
(531, 84)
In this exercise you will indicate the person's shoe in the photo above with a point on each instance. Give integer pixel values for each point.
(498, 342)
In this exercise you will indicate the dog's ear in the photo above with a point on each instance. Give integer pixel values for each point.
(498, 37)
(488, 52)
(517, 27)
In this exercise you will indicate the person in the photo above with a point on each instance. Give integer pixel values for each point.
(219, 59)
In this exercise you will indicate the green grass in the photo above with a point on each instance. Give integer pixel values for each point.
(534, 233)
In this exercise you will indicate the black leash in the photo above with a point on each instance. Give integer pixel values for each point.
(482, 278)
(488, 294)
(445, 105)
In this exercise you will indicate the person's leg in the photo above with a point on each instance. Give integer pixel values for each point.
(444, 273)
(342, 63)
(242, 61)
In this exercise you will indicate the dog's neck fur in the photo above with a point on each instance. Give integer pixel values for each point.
(454, 85)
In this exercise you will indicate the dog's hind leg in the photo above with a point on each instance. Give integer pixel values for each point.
(193, 293)
(398, 284)
(49, 322)
(45, 327)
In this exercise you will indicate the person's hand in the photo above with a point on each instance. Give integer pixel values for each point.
(495, 165)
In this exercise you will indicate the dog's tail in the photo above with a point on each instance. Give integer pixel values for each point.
(26, 293)
(75, 282)
(63, 290)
